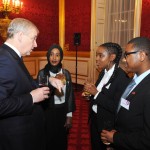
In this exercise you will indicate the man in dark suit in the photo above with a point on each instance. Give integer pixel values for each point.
(21, 117)
(132, 130)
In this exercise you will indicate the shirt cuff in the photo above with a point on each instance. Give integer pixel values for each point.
(69, 114)
(96, 94)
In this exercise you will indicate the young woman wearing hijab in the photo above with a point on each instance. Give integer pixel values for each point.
(106, 92)
(59, 107)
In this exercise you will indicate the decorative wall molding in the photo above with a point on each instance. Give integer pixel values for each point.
(85, 54)
(37, 61)
(83, 68)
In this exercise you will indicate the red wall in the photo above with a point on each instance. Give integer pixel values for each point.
(145, 21)
(45, 15)
(78, 19)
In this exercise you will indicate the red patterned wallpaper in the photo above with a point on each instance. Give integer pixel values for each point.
(145, 21)
(78, 19)
(45, 15)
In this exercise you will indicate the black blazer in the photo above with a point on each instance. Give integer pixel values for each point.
(133, 125)
(20, 119)
(108, 99)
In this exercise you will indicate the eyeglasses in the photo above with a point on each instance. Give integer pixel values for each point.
(129, 53)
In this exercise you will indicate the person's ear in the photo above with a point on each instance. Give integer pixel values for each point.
(112, 57)
(19, 36)
(142, 55)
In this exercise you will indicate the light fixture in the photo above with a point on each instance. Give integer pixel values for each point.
(7, 7)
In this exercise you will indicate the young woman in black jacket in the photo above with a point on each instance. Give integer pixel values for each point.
(59, 107)
(106, 92)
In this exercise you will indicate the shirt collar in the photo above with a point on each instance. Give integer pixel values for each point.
(138, 79)
(13, 48)
(110, 71)
(54, 74)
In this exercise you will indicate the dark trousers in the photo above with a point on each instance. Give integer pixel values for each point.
(56, 134)
(96, 142)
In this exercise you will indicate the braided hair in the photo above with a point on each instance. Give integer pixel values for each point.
(113, 48)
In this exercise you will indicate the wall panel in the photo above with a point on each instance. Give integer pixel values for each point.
(37, 61)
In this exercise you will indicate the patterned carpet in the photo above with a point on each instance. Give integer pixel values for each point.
(79, 137)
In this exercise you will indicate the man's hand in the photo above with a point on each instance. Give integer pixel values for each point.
(107, 136)
(61, 77)
(56, 83)
(40, 94)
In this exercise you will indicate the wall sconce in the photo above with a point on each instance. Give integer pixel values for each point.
(6, 7)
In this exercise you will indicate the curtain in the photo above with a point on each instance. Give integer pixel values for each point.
(119, 21)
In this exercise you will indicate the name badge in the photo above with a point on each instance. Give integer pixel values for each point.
(125, 103)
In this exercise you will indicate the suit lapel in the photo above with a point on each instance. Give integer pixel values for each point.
(136, 90)
(12, 52)
(99, 78)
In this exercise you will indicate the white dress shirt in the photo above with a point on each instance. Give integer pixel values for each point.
(14, 48)
(139, 78)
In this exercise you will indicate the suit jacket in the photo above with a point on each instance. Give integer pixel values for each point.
(69, 97)
(108, 99)
(133, 125)
(20, 120)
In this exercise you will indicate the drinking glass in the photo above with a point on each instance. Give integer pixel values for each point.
(85, 93)
(43, 80)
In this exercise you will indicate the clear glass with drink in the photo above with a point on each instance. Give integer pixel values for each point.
(86, 94)
(43, 80)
